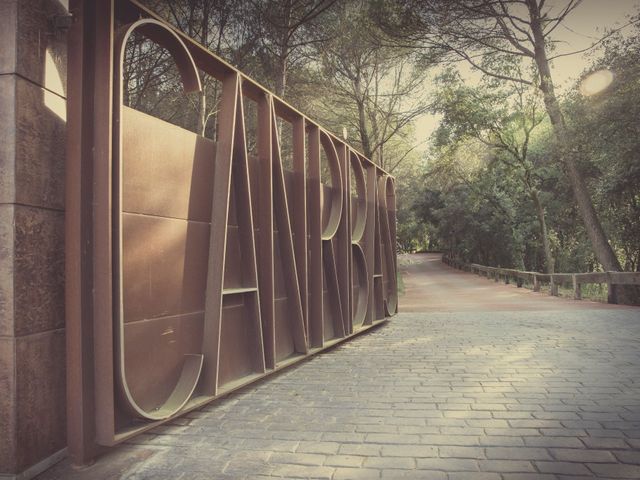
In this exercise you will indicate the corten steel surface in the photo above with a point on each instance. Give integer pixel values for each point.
(194, 268)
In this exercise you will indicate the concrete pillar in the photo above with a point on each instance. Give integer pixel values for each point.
(32, 155)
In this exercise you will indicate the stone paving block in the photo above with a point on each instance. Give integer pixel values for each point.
(604, 442)
(275, 445)
(488, 423)
(418, 429)
(356, 473)
(517, 453)
(508, 415)
(390, 438)
(461, 452)
(406, 463)
(327, 448)
(506, 466)
(448, 464)
(628, 456)
(446, 422)
(355, 449)
(615, 470)
(455, 440)
(559, 408)
(574, 477)
(634, 442)
(526, 423)
(461, 431)
(606, 433)
(297, 435)
(560, 442)
(529, 476)
(377, 429)
(578, 424)
(420, 451)
(341, 437)
(240, 468)
(474, 476)
(492, 407)
(524, 407)
(298, 458)
(498, 441)
(582, 455)
(351, 461)
(174, 440)
(565, 468)
(563, 432)
(413, 475)
(418, 414)
(302, 471)
(466, 414)
(556, 415)
(513, 432)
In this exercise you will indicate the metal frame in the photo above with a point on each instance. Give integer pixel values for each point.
(181, 291)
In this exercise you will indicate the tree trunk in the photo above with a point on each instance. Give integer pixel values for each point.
(281, 76)
(202, 96)
(283, 57)
(202, 111)
(601, 247)
(548, 257)
(362, 121)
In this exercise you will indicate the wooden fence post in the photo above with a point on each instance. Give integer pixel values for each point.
(577, 290)
(612, 296)
(536, 283)
(554, 286)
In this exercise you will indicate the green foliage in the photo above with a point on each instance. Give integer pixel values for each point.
(607, 132)
(477, 207)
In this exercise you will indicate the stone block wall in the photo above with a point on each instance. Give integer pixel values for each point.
(32, 157)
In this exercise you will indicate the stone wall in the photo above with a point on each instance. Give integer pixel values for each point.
(32, 156)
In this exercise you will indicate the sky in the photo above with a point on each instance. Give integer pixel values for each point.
(584, 26)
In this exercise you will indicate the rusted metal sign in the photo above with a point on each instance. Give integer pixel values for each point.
(194, 268)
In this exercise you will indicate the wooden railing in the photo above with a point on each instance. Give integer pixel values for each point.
(555, 280)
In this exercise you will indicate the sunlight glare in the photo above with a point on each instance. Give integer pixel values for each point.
(53, 83)
(596, 82)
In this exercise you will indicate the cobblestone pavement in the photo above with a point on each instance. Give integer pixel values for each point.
(504, 395)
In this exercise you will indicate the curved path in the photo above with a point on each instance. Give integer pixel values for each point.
(475, 380)
(432, 286)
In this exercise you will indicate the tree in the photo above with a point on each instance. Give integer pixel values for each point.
(605, 131)
(370, 89)
(482, 32)
(223, 27)
(286, 29)
(478, 214)
(503, 119)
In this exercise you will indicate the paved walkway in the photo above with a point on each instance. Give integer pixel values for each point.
(493, 382)
(431, 286)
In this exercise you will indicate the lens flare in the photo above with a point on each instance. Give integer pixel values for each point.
(596, 82)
